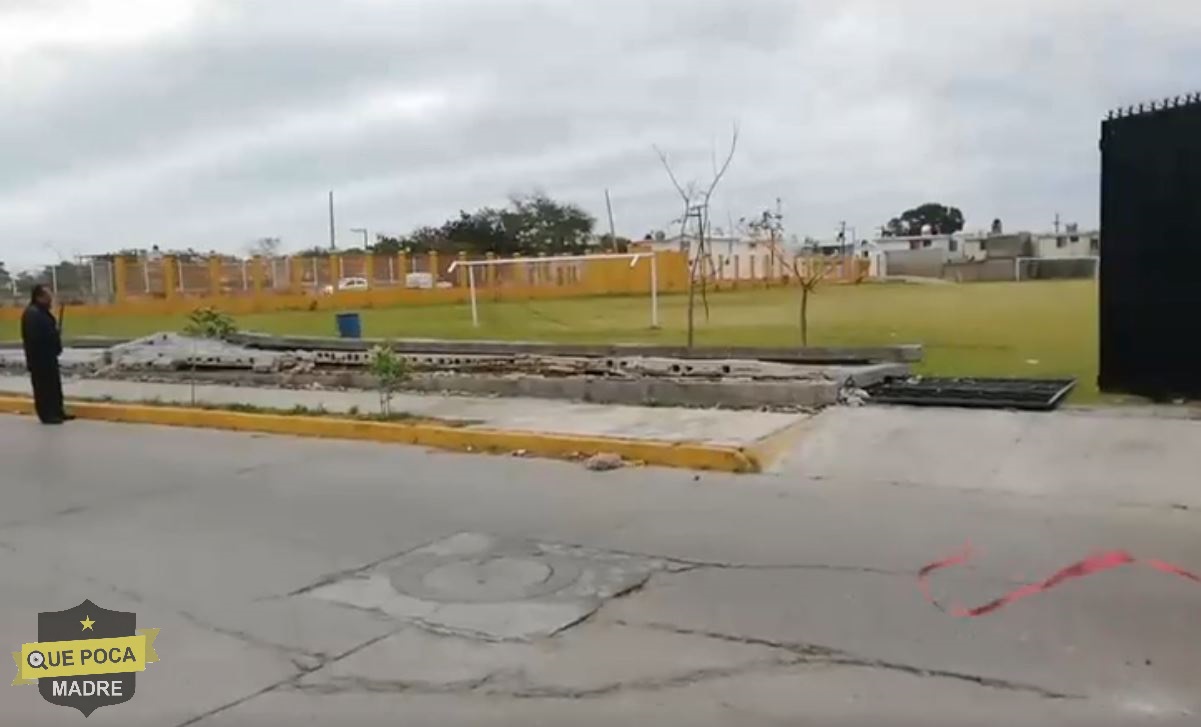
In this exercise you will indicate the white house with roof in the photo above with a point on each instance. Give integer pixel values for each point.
(1071, 242)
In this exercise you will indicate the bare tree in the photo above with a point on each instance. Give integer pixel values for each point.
(808, 273)
(265, 247)
(696, 205)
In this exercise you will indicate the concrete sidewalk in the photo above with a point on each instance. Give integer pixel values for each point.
(660, 424)
(1116, 456)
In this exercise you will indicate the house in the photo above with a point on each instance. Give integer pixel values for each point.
(993, 247)
(835, 247)
(717, 244)
(1069, 243)
(730, 257)
(952, 244)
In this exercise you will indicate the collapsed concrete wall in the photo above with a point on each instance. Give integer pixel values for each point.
(623, 376)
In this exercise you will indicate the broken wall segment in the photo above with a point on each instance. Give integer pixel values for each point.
(499, 370)
(905, 353)
(805, 393)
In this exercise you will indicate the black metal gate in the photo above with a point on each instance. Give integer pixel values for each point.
(1151, 249)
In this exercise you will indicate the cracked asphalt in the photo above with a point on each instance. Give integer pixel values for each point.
(783, 598)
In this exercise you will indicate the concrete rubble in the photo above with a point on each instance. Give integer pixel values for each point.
(604, 462)
(628, 378)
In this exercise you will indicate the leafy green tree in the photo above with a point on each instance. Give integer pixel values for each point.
(610, 244)
(542, 225)
(529, 225)
(942, 220)
(388, 245)
(476, 232)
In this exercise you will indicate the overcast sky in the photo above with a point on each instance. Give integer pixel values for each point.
(208, 123)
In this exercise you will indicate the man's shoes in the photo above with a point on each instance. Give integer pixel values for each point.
(68, 417)
(51, 422)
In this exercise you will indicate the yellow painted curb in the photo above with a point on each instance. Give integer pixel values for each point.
(769, 450)
(685, 455)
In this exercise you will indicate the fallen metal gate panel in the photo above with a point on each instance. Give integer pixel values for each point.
(1026, 394)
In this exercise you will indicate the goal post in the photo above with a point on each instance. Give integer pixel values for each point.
(1056, 268)
(633, 257)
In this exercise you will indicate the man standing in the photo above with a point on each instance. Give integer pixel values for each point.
(43, 344)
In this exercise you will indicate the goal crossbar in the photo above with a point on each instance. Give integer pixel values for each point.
(633, 257)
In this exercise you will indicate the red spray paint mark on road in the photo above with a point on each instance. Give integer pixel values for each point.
(1092, 565)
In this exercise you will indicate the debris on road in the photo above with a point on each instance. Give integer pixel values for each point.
(604, 462)
(853, 396)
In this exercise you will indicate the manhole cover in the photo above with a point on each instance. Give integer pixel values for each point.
(480, 586)
(488, 579)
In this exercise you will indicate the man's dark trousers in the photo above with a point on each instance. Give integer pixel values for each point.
(47, 391)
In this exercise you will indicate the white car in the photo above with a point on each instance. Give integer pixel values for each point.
(347, 284)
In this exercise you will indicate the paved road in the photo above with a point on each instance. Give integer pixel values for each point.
(301, 582)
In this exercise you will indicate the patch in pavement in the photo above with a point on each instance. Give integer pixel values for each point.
(492, 588)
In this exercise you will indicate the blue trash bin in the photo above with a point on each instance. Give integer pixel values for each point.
(349, 325)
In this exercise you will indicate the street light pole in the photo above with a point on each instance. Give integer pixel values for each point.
(333, 240)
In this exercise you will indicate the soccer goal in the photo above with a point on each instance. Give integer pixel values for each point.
(1056, 268)
(634, 258)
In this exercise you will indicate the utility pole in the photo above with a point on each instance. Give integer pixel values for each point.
(1057, 223)
(333, 240)
(842, 238)
(612, 231)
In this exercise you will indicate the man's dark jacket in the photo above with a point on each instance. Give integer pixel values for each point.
(39, 332)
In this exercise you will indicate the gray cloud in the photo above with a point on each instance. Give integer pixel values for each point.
(208, 123)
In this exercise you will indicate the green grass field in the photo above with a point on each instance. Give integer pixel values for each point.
(983, 329)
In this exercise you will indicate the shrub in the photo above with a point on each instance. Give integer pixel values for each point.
(209, 323)
(390, 370)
